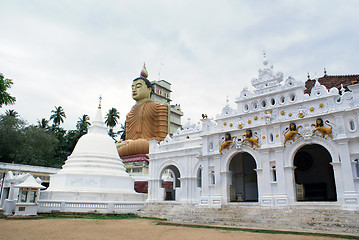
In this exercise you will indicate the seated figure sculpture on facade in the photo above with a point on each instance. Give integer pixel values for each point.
(146, 121)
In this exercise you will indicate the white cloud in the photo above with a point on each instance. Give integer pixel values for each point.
(68, 53)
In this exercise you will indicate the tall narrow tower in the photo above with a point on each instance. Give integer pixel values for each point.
(162, 93)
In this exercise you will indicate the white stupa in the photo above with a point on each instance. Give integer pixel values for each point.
(93, 172)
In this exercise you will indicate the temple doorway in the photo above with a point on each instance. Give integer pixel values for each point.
(314, 175)
(170, 181)
(243, 184)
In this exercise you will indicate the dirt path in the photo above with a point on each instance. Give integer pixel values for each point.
(121, 229)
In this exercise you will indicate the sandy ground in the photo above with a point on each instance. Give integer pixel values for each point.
(121, 229)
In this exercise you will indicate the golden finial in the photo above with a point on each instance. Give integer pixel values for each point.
(100, 99)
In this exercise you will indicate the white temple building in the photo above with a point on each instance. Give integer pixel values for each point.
(93, 178)
(266, 162)
(285, 157)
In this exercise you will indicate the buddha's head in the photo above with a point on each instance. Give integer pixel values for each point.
(141, 90)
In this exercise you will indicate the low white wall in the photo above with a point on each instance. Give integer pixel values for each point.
(77, 206)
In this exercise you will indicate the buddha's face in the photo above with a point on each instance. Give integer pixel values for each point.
(140, 90)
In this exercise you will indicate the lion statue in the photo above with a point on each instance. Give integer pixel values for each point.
(319, 126)
(289, 133)
(228, 139)
(248, 137)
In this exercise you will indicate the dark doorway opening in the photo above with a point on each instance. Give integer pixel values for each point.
(314, 175)
(243, 186)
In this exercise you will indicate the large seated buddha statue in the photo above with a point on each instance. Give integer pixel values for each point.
(146, 121)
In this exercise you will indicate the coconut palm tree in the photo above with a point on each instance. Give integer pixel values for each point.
(112, 118)
(122, 131)
(11, 113)
(58, 116)
(83, 124)
(43, 123)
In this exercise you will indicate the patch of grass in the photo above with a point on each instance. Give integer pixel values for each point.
(100, 216)
(90, 216)
(259, 230)
(154, 218)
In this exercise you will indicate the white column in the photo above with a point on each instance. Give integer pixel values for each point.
(349, 193)
(285, 180)
(225, 182)
(265, 195)
(288, 177)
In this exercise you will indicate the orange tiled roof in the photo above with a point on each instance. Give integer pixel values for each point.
(332, 81)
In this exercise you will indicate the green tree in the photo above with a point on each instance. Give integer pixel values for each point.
(83, 124)
(5, 97)
(122, 131)
(11, 137)
(43, 123)
(57, 116)
(11, 113)
(112, 118)
(37, 148)
(69, 142)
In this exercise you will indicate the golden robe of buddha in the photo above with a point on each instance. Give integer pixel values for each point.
(146, 121)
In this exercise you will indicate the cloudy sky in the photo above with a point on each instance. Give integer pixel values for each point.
(68, 53)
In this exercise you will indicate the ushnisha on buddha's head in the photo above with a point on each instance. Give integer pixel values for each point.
(141, 87)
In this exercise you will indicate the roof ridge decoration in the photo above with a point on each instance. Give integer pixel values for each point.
(267, 80)
(227, 110)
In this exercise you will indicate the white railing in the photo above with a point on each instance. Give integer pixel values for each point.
(77, 206)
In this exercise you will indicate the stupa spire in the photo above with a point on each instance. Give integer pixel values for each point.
(99, 104)
(265, 62)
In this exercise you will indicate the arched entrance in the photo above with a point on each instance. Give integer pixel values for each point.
(314, 175)
(170, 181)
(243, 185)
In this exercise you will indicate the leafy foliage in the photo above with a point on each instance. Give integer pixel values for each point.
(40, 144)
(5, 97)
(11, 113)
(11, 137)
(112, 118)
(38, 147)
(83, 124)
(43, 123)
(58, 116)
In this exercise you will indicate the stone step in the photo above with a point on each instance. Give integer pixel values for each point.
(321, 218)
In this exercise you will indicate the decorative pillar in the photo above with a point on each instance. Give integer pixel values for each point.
(289, 196)
(154, 190)
(265, 194)
(226, 179)
(349, 193)
(285, 179)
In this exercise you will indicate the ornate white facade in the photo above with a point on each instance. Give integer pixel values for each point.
(308, 168)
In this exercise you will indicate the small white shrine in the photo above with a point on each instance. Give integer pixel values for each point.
(277, 147)
(9, 191)
(93, 178)
(28, 196)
